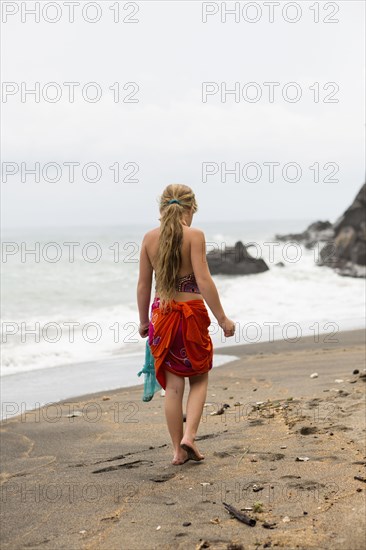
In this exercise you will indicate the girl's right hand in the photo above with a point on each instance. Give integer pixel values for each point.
(228, 326)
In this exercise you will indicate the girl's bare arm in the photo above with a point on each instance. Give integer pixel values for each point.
(203, 276)
(144, 284)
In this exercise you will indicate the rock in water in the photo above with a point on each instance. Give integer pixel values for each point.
(234, 260)
(316, 232)
(346, 252)
(344, 242)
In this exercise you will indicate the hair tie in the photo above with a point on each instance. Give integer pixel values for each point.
(173, 200)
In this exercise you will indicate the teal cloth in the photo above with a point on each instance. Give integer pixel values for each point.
(151, 385)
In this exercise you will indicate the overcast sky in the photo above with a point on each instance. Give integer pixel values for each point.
(168, 134)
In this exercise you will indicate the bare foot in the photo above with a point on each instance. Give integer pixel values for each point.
(180, 457)
(192, 450)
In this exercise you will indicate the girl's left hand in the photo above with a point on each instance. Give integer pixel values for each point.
(144, 330)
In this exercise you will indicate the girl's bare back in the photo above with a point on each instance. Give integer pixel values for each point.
(152, 239)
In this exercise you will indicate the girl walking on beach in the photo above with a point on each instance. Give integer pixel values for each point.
(178, 324)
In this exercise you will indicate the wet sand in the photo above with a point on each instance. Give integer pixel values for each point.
(95, 472)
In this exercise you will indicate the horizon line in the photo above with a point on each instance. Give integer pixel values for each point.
(146, 223)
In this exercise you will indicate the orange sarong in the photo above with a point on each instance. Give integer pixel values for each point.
(193, 319)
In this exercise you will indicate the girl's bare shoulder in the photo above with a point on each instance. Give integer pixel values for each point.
(151, 233)
(189, 229)
(194, 232)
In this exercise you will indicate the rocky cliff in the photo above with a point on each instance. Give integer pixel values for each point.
(346, 251)
(316, 232)
(344, 242)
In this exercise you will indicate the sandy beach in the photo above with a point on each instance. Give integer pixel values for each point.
(288, 451)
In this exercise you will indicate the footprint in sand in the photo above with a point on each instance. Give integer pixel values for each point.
(128, 465)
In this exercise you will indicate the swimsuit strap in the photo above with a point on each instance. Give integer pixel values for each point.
(187, 283)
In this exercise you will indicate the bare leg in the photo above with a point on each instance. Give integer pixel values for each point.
(195, 402)
(174, 413)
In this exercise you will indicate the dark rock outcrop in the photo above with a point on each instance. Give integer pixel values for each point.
(234, 260)
(346, 252)
(315, 233)
(344, 242)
